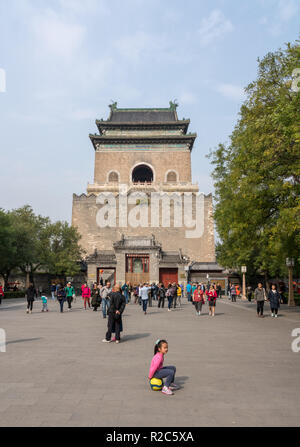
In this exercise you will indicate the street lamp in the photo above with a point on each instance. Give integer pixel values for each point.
(290, 262)
(244, 270)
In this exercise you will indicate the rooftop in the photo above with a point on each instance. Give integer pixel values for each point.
(143, 115)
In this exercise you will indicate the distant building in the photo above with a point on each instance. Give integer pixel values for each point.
(144, 151)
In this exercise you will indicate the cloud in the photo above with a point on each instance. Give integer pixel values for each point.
(56, 36)
(213, 27)
(231, 91)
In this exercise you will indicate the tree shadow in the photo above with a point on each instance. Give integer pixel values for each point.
(135, 336)
(23, 340)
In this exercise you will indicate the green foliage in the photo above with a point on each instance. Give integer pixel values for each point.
(257, 176)
(31, 242)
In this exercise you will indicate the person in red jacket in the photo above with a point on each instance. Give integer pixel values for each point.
(86, 294)
(198, 299)
(211, 297)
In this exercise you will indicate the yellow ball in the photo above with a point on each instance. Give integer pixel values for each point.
(156, 384)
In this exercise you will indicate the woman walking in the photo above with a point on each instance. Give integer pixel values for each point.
(211, 297)
(30, 292)
(170, 297)
(274, 298)
(198, 299)
(96, 298)
(70, 293)
(86, 294)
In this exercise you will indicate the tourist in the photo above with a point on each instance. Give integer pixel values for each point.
(104, 293)
(159, 371)
(96, 298)
(116, 308)
(249, 293)
(189, 291)
(86, 294)
(125, 290)
(194, 287)
(198, 299)
(145, 296)
(170, 297)
(1, 293)
(136, 294)
(238, 290)
(30, 294)
(53, 290)
(274, 298)
(161, 293)
(219, 289)
(233, 293)
(61, 297)
(211, 297)
(174, 294)
(70, 294)
(259, 297)
(179, 292)
(44, 303)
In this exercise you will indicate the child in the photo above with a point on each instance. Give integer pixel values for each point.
(159, 371)
(44, 301)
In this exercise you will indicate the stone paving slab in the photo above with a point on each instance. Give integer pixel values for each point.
(235, 369)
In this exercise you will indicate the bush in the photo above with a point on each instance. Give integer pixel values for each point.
(18, 294)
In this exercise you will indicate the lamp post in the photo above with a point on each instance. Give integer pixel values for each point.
(244, 270)
(290, 264)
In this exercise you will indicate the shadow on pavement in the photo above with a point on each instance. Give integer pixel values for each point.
(180, 380)
(135, 336)
(23, 340)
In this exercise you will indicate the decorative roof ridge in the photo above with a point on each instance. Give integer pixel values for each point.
(172, 107)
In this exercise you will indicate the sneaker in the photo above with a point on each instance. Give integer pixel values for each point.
(272, 315)
(106, 341)
(27, 311)
(169, 310)
(174, 387)
(117, 341)
(276, 315)
(30, 311)
(166, 390)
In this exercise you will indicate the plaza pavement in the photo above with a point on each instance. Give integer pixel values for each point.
(235, 369)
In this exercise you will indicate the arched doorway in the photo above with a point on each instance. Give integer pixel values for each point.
(142, 173)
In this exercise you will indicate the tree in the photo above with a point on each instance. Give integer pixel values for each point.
(8, 246)
(257, 176)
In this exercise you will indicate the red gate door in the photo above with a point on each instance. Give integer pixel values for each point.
(168, 275)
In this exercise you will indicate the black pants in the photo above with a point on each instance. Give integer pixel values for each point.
(198, 306)
(61, 305)
(274, 311)
(260, 307)
(69, 299)
(29, 304)
(233, 298)
(161, 302)
(112, 320)
(174, 301)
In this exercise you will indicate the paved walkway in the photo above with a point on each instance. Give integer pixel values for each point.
(235, 369)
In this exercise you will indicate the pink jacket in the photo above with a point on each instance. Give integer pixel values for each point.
(156, 364)
(86, 292)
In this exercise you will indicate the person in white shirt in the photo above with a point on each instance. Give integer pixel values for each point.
(144, 293)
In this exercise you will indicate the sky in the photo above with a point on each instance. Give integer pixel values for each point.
(65, 61)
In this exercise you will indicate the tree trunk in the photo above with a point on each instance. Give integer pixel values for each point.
(266, 282)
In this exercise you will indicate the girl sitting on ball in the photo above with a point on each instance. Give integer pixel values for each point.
(159, 371)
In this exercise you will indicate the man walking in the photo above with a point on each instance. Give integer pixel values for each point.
(116, 308)
(145, 297)
(70, 293)
(105, 298)
(259, 297)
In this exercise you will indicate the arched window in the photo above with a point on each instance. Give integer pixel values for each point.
(171, 176)
(142, 173)
(113, 177)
